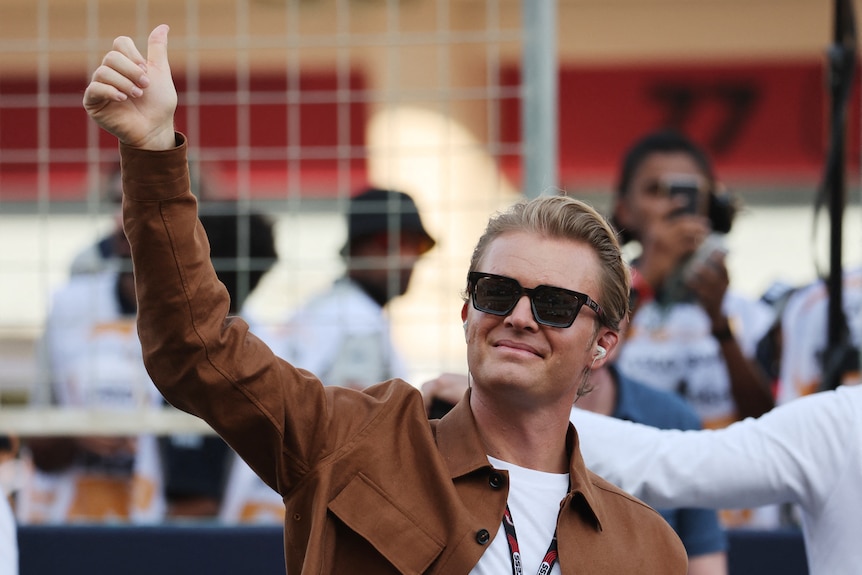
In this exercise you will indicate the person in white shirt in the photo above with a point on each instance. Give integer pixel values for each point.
(343, 333)
(807, 452)
(690, 332)
(92, 358)
(804, 337)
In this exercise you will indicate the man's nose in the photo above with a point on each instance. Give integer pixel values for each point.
(521, 315)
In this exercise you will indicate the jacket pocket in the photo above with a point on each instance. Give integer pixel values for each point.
(365, 509)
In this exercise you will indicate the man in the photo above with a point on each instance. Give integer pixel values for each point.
(343, 335)
(691, 333)
(368, 482)
(806, 452)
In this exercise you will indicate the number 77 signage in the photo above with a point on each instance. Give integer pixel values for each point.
(761, 122)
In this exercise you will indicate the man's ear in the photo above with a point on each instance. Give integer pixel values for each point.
(608, 340)
(464, 312)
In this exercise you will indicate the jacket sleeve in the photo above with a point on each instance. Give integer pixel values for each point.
(787, 455)
(278, 418)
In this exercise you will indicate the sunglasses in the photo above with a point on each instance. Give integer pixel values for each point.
(552, 306)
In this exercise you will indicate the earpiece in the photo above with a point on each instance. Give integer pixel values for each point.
(600, 352)
(465, 330)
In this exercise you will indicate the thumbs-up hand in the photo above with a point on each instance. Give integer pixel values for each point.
(133, 97)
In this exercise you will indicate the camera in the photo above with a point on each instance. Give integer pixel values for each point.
(688, 187)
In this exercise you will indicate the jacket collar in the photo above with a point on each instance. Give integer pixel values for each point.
(460, 444)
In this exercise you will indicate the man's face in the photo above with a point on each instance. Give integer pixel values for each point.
(533, 363)
(647, 202)
(387, 269)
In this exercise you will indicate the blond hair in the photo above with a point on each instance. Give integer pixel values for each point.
(567, 218)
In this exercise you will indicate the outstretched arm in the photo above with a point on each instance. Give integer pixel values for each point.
(795, 453)
(133, 97)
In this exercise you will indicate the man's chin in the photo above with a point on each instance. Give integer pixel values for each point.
(509, 377)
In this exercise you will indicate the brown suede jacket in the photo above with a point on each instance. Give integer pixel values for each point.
(369, 484)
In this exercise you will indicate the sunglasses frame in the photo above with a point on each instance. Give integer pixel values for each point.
(473, 282)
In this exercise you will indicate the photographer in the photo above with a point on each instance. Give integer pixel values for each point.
(689, 334)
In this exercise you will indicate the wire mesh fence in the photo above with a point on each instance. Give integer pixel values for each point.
(290, 108)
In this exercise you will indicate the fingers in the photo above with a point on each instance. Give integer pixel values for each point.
(124, 68)
(122, 75)
(157, 46)
(709, 281)
(121, 79)
(126, 46)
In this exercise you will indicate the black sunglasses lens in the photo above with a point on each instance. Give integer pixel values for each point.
(552, 306)
(496, 295)
(555, 306)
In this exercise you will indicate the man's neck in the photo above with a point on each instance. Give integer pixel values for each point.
(602, 398)
(535, 439)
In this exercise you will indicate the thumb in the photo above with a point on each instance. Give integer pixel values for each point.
(157, 46)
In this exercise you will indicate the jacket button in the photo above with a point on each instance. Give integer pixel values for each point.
(482, 537)
(495, 480)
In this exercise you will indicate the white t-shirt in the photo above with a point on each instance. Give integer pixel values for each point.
(534, 502)
(807, 452)
(341, 335)
(672, 348)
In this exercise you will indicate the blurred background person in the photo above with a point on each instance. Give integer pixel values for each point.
(343, 333)
(92, 358)
(196, 467)
(807, 365)
(9, 445)
(690, 334)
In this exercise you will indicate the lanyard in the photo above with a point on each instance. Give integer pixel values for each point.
(517, 568)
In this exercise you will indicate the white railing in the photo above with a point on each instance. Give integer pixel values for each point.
(66, 421)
